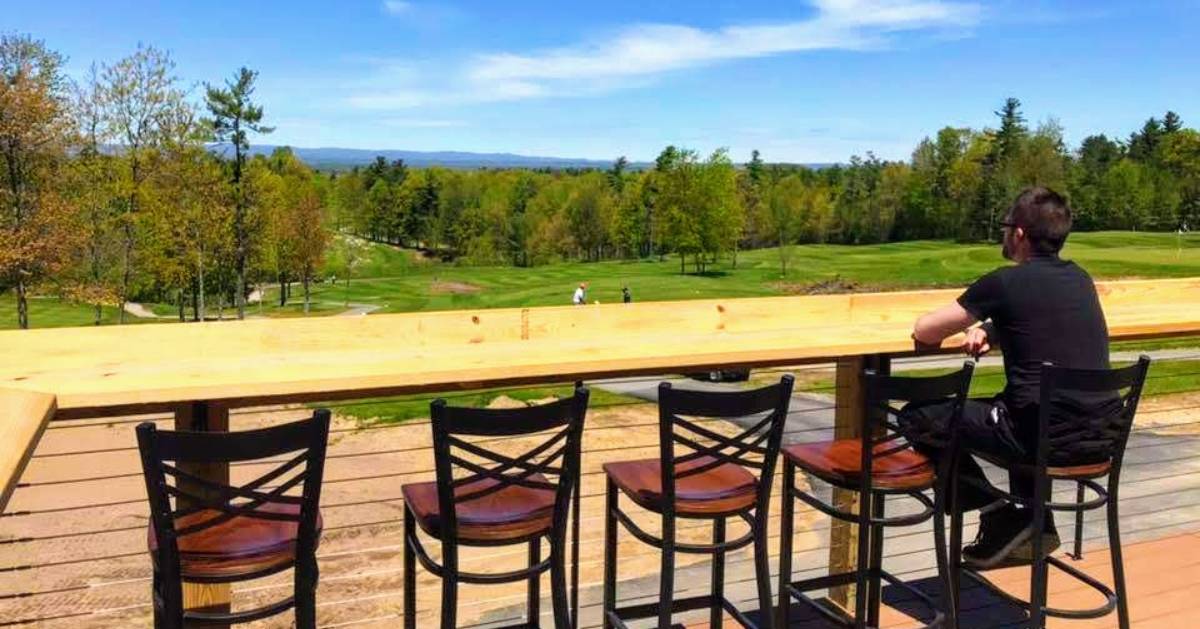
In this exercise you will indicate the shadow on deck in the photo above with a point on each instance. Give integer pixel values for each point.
(1164, 588)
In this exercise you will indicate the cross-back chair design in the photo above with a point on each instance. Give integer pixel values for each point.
(1078, 444)
(879, 463)
(485, 498)
(203, 531)
(700, 473)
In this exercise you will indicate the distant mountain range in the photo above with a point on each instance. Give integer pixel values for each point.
(332, 158)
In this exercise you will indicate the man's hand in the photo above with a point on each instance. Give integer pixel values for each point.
(977, 343)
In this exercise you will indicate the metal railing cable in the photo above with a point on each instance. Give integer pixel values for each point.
(787, 433)
(336, 456)
(1062, 492)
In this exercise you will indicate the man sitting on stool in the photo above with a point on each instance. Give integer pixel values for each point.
(1042, 309)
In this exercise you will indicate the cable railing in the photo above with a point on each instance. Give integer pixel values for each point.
(72, 544)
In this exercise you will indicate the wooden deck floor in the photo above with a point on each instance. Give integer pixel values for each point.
(1164, 588)
(95, 572)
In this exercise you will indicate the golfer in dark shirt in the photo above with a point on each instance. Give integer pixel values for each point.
(1042, 309)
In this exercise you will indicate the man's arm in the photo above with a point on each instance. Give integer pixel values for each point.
(934, 327)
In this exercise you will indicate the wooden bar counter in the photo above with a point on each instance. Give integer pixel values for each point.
(201, 370)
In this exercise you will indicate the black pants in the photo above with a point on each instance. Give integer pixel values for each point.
(984, 428)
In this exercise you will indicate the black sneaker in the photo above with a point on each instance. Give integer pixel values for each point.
(1023, 554)
(1001, 532)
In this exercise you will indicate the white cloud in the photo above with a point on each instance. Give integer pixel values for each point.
(656, 48)
(397, 7)
(419, 123)
(640, 53)
(424, 15)
(387, 100)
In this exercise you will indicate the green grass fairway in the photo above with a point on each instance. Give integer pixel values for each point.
(1165, 378)
(51, 312)
(397, 283)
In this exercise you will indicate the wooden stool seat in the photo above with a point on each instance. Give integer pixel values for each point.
(1081, 471)
(238, 547)
(512, 513)
(1087, 470)
(725, 488)
(840, 462)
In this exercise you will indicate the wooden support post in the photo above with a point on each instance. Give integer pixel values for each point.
(208, 417)
(848, 423)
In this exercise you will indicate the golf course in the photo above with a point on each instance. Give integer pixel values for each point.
(386, 279)
(391, 280)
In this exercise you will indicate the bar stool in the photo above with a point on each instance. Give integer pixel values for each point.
(483, 498)
(878, 464)
(207, 537)
(708, 480)
(1072, 447)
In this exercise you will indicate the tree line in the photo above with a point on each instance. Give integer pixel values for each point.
(112, 192)
(956, 185)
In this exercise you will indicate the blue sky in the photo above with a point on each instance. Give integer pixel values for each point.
(806, 81)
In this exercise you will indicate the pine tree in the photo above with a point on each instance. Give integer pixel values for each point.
(1012, 130)
(616, 175)
(1143, 144)
(1006, 145)
(232, 116)
(1172, 122)
(755, 168)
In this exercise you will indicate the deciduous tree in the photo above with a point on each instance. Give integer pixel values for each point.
(35, 122)
(309, 235)
(92, 185)
(140, 93)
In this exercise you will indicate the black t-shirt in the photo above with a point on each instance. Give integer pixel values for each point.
(1044, 310)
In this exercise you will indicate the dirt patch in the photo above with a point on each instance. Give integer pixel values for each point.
(806, 377)
(824, 287)
(439, 287)
(503, 401)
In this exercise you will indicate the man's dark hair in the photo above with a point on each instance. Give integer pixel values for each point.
(1044, 216)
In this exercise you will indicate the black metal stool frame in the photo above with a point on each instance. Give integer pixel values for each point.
(881, 390)
(308, 437)
(1054, 379)
(564, 462)
(772, 400)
